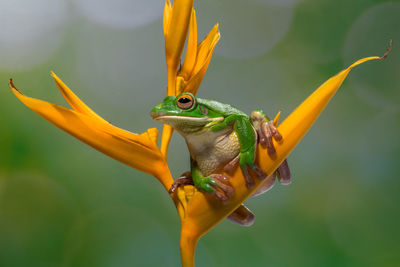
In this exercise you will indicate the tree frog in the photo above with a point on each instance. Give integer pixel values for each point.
(219, 135)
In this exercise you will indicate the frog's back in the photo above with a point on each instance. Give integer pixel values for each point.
(220, 107)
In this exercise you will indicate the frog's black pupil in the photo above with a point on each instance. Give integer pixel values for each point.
(184, 100)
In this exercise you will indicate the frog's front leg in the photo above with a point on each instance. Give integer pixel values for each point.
(216, 184)
(248, 144)
(266, 130)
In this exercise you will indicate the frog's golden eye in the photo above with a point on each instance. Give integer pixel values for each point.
(185, 101)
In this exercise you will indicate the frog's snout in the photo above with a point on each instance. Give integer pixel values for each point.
(156, 111)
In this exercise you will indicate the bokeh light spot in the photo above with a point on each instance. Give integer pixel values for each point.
(121, 14)
(277, 2)
(248, 29)
(30, 32)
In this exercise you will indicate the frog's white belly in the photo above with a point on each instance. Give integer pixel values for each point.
(212, 150)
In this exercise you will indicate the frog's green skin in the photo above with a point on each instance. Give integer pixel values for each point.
(215, 134)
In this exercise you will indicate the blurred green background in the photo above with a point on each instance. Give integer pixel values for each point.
(64, 204)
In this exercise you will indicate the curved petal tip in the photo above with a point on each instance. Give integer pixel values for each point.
(14, 89)
(388, 49)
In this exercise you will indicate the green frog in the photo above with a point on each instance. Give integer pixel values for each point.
(220, 136)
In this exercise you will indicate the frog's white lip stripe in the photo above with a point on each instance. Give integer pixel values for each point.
(194, 119)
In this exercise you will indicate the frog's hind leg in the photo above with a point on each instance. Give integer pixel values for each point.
(242, 216)
(184, 179)
(216, 184)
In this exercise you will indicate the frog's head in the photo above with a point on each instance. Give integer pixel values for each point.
(184, 113)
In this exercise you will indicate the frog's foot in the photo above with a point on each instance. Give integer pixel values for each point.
(283, 173)
(218, 185)
(184, 179)
(266, 131)
(246, 162)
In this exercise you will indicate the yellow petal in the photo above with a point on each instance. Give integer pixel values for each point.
(175, 38)
(203, 211)
(138, 151)
(191, 52)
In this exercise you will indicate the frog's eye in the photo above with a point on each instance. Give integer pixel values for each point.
(185, 101)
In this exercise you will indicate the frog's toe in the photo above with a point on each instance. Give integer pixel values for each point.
(222, 182)
(266, 132)
(242, 215)
(269, 132)
(247, 178)
(223, 190)
(184, 179)
(266, 185)
(274, 131)
(261, 175)
(283, 172)
(221, 197)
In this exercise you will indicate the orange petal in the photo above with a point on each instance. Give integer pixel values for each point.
(74, 101)
(180, 85)
(206, 47)
(165, 139)
(194, 83)
(138, 151)
(191, 52)
(175, 38)
(176, 23)
(276, 119)
(203, 211)
(167, 16)
(204, 55)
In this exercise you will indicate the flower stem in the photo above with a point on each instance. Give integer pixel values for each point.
(188, 248)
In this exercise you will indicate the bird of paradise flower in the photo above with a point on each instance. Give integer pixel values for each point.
(198, 212)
